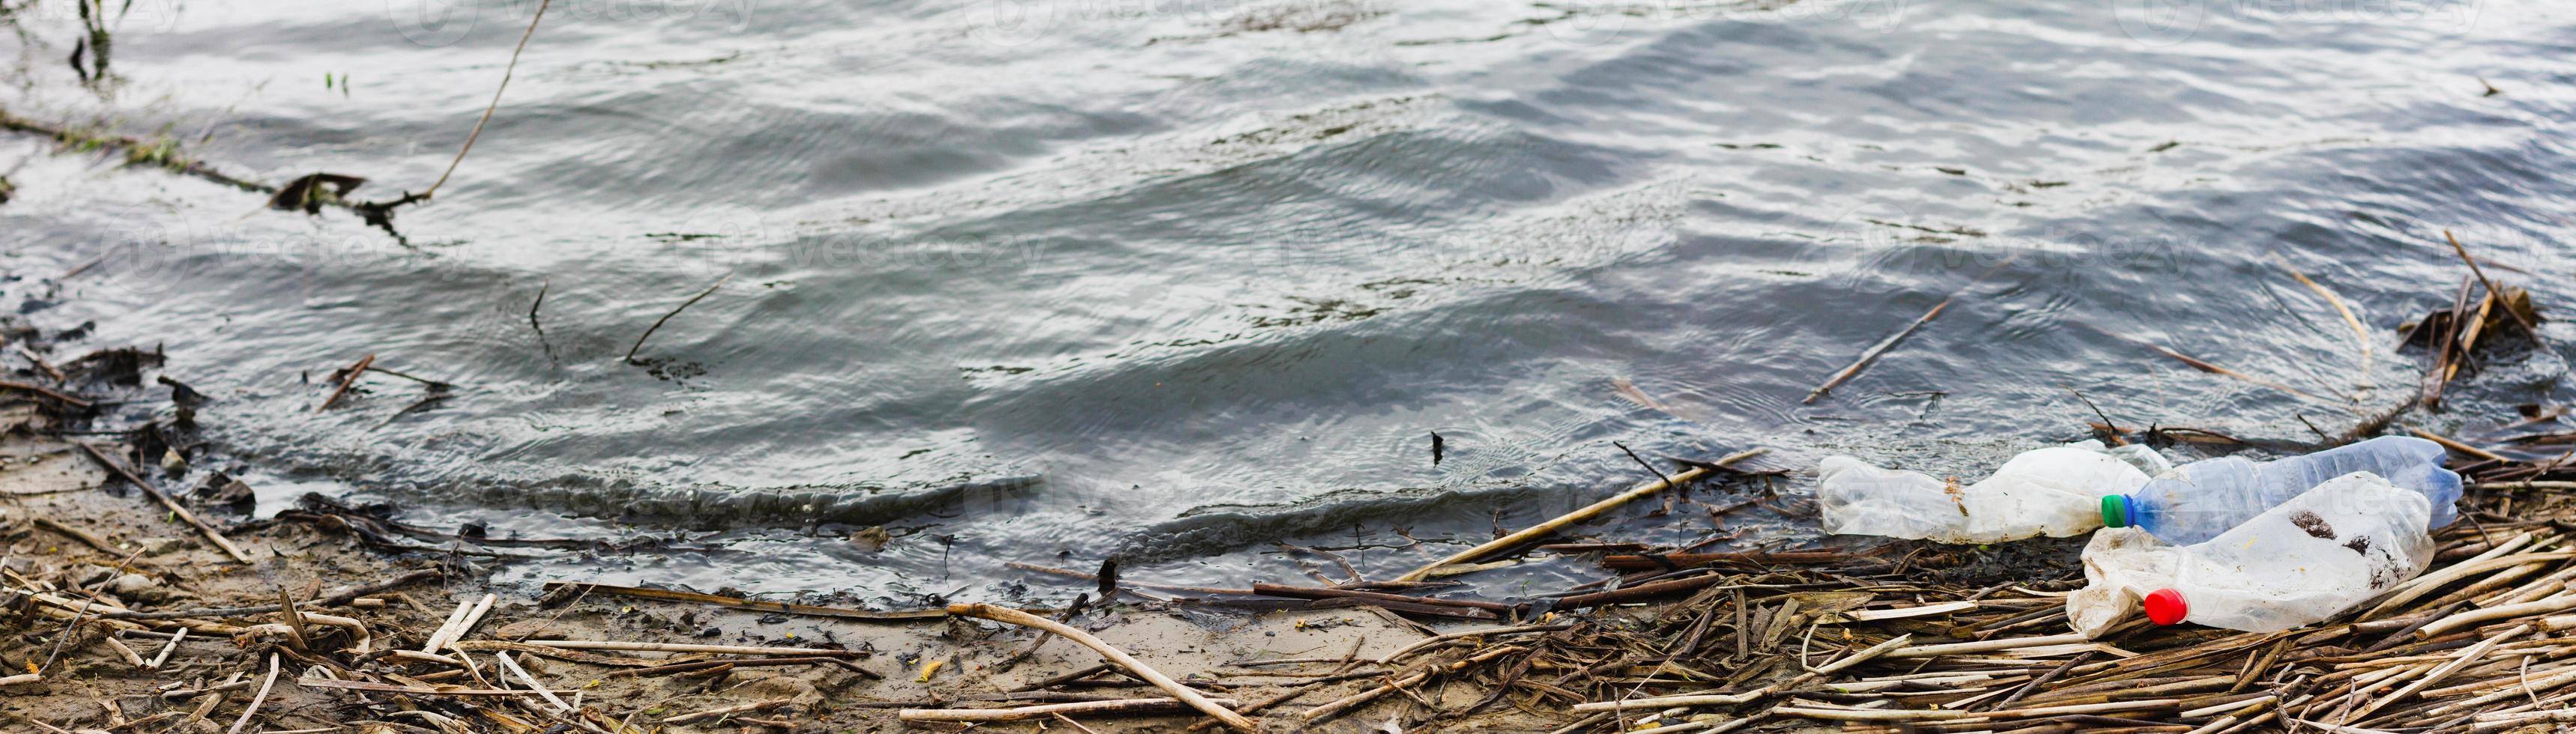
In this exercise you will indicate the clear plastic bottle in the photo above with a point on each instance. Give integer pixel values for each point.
(2052, 491)
(2310, 558)
(2204, 498)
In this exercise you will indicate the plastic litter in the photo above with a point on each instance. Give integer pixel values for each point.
(2312, 557)
(2204, 498)
(2053, 491)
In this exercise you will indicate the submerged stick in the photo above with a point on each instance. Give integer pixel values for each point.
(346, 381)
(217, 537)
(1178, 691)
(657, 323)
(1588, 512)
(2206, 366)
(2360, 336)
(2527, 328)
(1872, 354)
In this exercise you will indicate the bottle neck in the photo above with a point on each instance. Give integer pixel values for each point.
(2143, 515)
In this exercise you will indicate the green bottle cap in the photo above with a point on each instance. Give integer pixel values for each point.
(2115, 510)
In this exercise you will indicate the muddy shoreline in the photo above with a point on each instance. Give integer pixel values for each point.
(890, 664)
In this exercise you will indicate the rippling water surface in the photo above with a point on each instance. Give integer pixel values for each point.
(1041, 281)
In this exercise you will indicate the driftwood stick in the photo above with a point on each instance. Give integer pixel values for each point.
(85, 537)
(682, 647)
(2527, 328)
(347, 380)
(1023, 713)
(213, 535)
(1588, 512)
(1875, 351)
(1178, 691)
(1871, 355)
(657, 323)
(45, 391)
(338, 598)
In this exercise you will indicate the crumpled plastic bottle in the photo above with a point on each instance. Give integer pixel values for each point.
(2312, 557)
(2053, 491)
(2204, 498)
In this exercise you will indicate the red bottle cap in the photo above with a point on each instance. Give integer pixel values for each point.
(2165, 606)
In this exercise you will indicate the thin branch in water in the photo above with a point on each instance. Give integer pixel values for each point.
(1650, 468)
(542, 287)
(1872, 354)
(2205, 366)
(381, 213)
(2360, 335)
(657, 323)
(434, 385)
(2527, 328)
(2108, 428)
(2312, 428)
(346, 380)
(506, 73)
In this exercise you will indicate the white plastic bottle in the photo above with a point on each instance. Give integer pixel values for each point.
(2308, 559)
(2055, 491)
(2204, 498)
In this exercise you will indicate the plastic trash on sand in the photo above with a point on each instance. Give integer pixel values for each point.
(2308, 559)
(2055, 491)
(2205, 498)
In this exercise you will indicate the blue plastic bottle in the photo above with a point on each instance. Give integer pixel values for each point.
(2199, 500)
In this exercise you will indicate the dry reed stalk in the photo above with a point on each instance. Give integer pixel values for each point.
(1113, 654)
(1534, 532)
(1024, 713)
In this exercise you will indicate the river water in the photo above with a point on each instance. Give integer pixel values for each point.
(1048, 282)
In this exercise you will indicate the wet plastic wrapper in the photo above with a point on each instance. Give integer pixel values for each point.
(2315, 556)
(2055, 491)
